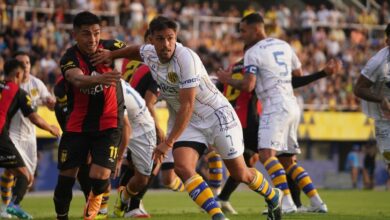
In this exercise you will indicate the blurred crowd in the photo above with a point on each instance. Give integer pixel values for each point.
(316, 33)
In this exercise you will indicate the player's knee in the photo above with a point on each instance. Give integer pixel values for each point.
(183, 172)
(99, 186)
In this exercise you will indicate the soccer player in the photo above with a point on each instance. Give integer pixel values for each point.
(373, 87)
(12, 98)
(269, 66)
(95, 117)
(201, 116)
(22, 130)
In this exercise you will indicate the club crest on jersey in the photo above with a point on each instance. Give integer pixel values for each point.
(172, 77)
(34, 92)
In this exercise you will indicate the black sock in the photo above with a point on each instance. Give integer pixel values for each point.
(84, 180)
(136, 200)
(228, 189)
(63, 196)
(126, 175)
(19, 189)
(295, 191)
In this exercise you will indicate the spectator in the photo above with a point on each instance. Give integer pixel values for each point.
(353, 164)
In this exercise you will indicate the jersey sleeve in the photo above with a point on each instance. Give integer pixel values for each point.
(369, 70)
(43, 91)
(146, 50)
(251, 64)
(68, 62)
(113, 44)
(24, 101)
(189, 69)
(152, 84)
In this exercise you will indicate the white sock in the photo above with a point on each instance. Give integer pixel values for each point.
(316, 200)
(287, 201)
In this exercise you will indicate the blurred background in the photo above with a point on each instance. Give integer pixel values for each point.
(336, 138)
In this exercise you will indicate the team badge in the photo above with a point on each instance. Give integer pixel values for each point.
(172, 77)
(119, 44)
(34, 92)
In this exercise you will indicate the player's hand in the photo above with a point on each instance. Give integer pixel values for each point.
(54, 130)
(110, 78)
(385, 106)
(160, 152)
(50, 102)
(102, 56)
(333, 66)
(117, 169)
(224, 75)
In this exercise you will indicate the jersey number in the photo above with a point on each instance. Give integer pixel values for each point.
(113, 152)
(277, 56)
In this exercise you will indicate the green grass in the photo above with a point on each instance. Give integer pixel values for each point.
(166, 205)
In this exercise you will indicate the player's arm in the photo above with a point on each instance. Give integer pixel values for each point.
(24, 101)
(126, 133)
(47, 99)
(333, 66)
(247, 84)
(76, 77)
(150, 100)
(106, 56)
(363, 91)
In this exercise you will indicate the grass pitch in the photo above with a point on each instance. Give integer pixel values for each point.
(167, 205)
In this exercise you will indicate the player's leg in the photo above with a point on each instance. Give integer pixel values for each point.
(215, 171)
(6, 184)
(141, 148)
(14, 163)
(83, 179)
(168, 175)
(104, 153)
(186, 155)
(273, 131)
(383, 142)
(72, 152)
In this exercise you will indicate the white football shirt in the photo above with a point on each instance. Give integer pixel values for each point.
(377, 70)
(21, 128)
(184, 70)
(139, 116)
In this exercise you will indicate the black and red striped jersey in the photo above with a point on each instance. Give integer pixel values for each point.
(138, 75)
(12, 98)
(97, 108)
(246, 104)
(61, 106)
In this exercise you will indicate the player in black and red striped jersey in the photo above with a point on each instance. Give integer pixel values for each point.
(95, 116)
(12, 98)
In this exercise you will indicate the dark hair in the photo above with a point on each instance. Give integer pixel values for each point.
(20, 53)
(11, 65)
(387, 31)
(254, 18)
(146, 35)
(161, 23)
(85, 18)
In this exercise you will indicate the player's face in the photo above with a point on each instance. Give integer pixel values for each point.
(27, 65)
(247, 33)
(88, 37)
(19, 75)
(164, 42)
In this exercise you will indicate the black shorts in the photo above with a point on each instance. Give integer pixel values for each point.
(251, 138)
(103, 146)
(9, 155)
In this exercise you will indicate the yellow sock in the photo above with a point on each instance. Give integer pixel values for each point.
(106, 197)
(202, 195)
(302, 178)
(215, 169)
(176, 185)
(277, 174)
(260, 185)
(6, 184)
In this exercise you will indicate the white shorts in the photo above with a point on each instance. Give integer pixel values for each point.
(141, 148)
(169, 157)
(28, 151)
(278, 130)
(382, 133)
(222, 130)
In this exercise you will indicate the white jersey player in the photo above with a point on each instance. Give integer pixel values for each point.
(22, 130)
(143, 135)
(373, 86)
(202, 116)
